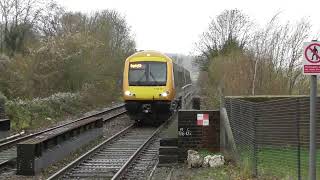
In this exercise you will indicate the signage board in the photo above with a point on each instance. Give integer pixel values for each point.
(311, 58)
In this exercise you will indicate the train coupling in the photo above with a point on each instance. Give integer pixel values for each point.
(146, 108)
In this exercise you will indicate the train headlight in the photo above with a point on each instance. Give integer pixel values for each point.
(128, 93)
(164, 94)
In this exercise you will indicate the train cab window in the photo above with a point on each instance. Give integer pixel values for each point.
(158, 72)
(148, 74)
(137, 72)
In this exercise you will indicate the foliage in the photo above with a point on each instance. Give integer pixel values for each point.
(225, 172)
(40, 111)
(46, 50)
(205, 152)
(18, 24)
(3, 98)
(282, 162)
(229, 29)
(78, 58)
(242, 59)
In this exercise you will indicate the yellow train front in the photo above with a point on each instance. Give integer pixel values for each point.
(149, 87)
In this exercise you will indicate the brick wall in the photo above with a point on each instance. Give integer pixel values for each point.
(193, 136)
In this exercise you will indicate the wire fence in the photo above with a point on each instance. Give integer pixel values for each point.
(269, 138)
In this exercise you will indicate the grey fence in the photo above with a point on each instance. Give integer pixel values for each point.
(269, 138)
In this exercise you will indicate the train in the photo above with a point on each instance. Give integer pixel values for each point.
(152, 86)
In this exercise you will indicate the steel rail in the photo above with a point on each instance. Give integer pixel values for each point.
(7, 148)
(12, 137)
(114, 116)
(107, 148)
(124, 167)
(14, 141)
(131, 159)
(153, 170)
(186, 86)
(87, 154)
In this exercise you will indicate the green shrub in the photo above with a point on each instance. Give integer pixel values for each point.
(41, 111)
(3, 98)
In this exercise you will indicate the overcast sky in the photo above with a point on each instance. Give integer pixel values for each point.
(173, 26)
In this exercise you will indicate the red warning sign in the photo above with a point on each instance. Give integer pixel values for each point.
(311, 63)
(203, 119)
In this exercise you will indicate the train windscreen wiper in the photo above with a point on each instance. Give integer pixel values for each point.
(154, 79)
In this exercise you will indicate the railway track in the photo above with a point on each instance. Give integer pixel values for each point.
(115, 157)
(12, 137)
(8, 151)
(142, 166)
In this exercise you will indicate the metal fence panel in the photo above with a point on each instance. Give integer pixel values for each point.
(272, 137)
(277, 138)
(241, 116)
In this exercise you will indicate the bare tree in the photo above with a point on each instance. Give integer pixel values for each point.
(299, 34)
(272, 53)
(259, 47)
(18, 18)
(51, 19)
(229, 26)
(279, 47)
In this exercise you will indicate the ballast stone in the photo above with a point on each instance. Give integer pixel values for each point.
(194, 159)
(213, 161)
